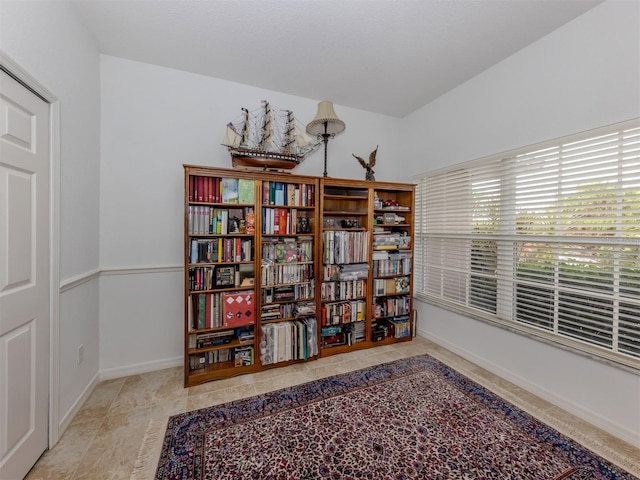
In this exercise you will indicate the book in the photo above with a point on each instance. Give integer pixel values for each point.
(202, 309)
(199, 190)
(279, 196)
(229, 190)
(282, 221)
(216, 190)
(246, 191)
(291, 194)
(272, 193)
(238, 308)
(265, 192)
(296, 196)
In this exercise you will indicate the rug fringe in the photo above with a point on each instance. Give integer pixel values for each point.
(149, 453)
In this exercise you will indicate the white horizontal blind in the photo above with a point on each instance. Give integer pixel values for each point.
(547, 239)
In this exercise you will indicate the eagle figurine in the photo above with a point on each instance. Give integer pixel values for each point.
(368, 166)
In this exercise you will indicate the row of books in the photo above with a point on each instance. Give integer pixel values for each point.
(398, 327)
(222, 309)
(235, 249)
(275, 311)
(221, 190)
(391, 240)
(389, 286)
(205, 311)
(391, 306)
(289, 194)
(285, 273)
(220, 337)
(345, 272)
(211, 339)
(242, 191)
(204, 220)
(287, 250)
(243, 356)
(288, 293)
(284, 221)
(342, 290)
(210, 278)
(343, 335)
(240, 356)
(291, 340)
(385, 263)
(343, 312)
(341, 246)
(199, 361)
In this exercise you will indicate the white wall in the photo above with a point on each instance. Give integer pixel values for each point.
(47, 40)
(582, 76)
(154, 120)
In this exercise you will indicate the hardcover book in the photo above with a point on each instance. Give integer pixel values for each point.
(238, 308)
(229, 190)
(246, 191)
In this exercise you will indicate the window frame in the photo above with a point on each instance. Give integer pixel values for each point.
(506, 238)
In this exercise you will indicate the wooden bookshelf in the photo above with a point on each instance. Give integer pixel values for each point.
(354, 212)
(263, 240)
(346, 231)
(392, 261)
(287, 303)
(220, 329)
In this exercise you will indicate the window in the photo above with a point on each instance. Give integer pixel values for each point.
(544, 239)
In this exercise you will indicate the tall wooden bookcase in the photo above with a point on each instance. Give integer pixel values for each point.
(283, 268)
(287, 283)
(367, 262)
(220, 224)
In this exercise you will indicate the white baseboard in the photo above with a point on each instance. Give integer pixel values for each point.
(145, 367)
(77, 405)
(594, 419)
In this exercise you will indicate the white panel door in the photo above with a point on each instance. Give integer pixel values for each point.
(24, 278)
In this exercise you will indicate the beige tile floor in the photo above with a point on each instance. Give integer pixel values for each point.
(103, 441)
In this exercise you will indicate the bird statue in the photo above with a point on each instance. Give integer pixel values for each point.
(368, 166)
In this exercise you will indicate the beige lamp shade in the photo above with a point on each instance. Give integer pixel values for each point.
(327, 115)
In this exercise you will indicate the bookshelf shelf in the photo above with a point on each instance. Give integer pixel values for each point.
(204, 264)
(220, 235)
(344, 300)
(350, 213)
(234, 343)
(296, 300)
(221, 370)
(281, 268)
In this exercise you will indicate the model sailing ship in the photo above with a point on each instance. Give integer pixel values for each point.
(267, 138)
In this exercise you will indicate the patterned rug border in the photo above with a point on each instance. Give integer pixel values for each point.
(588, 464)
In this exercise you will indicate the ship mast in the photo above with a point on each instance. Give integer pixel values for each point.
(288, 141)
(265, 140)
(244, 135)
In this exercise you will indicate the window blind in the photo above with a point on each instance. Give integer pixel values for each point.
(546, 239)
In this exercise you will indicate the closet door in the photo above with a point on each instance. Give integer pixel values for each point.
(24, 278)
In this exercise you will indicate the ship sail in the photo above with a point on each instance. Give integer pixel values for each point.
(232, 138)
(237, 134)
(267, 138)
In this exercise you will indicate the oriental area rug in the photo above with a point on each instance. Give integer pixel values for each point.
(409, 419)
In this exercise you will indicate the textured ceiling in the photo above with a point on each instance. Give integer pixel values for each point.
(384, 56)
